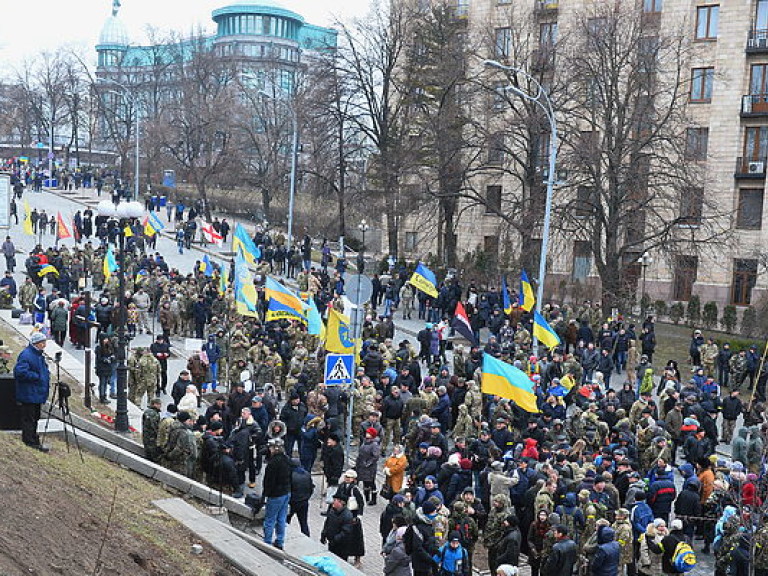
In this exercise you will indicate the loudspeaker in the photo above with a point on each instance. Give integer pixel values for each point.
(10, 419)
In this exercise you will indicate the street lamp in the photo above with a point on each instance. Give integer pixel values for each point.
(645, 260)
(542, 100)
(120, 215)
(363, 227)
(134, 104)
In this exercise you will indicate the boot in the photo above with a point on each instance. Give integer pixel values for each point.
(373, 499)
(367, 496)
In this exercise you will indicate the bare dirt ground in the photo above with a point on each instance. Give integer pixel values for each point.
(55, 519)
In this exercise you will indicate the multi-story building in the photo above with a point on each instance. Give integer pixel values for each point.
(726, 71)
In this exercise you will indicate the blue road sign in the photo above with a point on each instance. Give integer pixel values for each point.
(339, 369)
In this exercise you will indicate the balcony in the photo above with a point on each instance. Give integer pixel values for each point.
(754, 105)
(757, 43)
(547, 7)
(750, 168)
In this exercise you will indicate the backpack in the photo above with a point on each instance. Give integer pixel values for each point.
(683, 558)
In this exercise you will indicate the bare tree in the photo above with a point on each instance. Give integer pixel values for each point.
(370, 57)
(634, 186)
(197, 126)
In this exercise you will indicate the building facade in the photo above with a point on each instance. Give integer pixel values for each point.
(726, 73)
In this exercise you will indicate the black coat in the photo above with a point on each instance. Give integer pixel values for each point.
(302, 486)
(338, 530)
(562, 559)
(277, 476)
(688, 503)
(333, 463)
(509, 548)
(294, 419)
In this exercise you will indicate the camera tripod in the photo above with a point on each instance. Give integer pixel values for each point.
(60, 398)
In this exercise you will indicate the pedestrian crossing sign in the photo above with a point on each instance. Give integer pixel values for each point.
(339, 369)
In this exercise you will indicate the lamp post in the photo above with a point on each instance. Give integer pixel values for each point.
(363, 227)
(120, 216)
(134, 104)
(542, 100)
(645, 260)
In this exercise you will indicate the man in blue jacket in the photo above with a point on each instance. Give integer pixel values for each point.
(32, 385)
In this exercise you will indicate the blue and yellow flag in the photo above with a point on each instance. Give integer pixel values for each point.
(141, 275)
(273, 290)
(154, 221)
(127, 231)
(47, 269)
(338, 335)
(206, 267)
(28, 229)
(424, 279)
(245, 292)
(543, 331)
(109, 265)
(527, 301)
(149, 230)
(244, 243)
(502, 379)
(506, 300)
(276, 310)
(223, 278)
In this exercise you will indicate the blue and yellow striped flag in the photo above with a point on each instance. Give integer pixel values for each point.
(424, 279)
(543, 331)
(109, 265)
(273, 290)
(206, 267)
(47, 269)
(502, 379)
(338, 335)
(245, 292)
(241, 242)
(527, 301)
(505, 298)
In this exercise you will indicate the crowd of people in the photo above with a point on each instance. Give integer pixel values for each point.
(617, 472)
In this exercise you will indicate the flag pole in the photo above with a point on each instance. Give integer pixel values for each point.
(757, 376)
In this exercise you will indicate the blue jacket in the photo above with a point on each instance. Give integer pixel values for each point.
(606, 559)
(32, 376)
(212, 350)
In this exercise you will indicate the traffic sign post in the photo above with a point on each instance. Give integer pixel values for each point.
(339, 369)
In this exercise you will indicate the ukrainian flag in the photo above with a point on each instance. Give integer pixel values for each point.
(543, 331)
(527, 301)
(424, 279)
(47, 269)
(206, 267)
(223, 278)
(245, 291)
(149, 230)
(109, 265)
(502, 379)
(507, 301)
(141, 275)
(28, 229)
(241, 242)
(338, 336)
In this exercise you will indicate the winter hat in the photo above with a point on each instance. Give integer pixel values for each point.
(434, 451)
(737, 466)
(216, 425)
(454, 536)
(398, 498)
(677, 524)
(465, 463)
(37, 337)
(183, 416)
(371, 432)
(431, 479)
(428, 508)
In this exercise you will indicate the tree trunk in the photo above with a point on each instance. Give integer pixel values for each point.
(266, 201)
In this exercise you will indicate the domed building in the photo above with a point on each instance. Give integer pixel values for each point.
(256, 34)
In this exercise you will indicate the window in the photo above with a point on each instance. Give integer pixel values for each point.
(462, 7)
(492, 199)
(503, 43)
(585, 200)
(652, 6)
(547, 34)
(686, 268)
(691, 206)
(761, 16)
(744, 280)
(755, 143)
(759, 79)
(496, 149)
(499, 97)
(707, 18)
(701, 84)
(582, 259)
(410, 241)
(491, 246)
(697, 140)
(749, 213)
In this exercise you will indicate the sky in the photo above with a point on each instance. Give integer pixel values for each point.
(76, 23)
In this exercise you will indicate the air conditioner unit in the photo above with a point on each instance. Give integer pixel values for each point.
(756, 167)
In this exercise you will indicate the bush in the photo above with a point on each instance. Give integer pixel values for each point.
(676, 312)
(749, 321)
(737, 344)
(729, 319)
(645, 304)
(660, 306)
(710, 315)
(693, 311)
